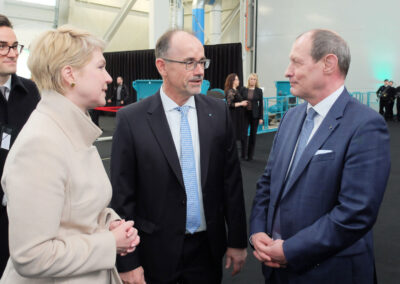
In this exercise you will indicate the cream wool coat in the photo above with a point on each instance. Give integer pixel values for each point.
(58, 192)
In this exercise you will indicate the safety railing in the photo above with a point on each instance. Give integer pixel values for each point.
(275, 108)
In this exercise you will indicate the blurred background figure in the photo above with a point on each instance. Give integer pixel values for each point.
(18, 98)
(253, 112)
(56, 186)
(237, 106)
(120, 94)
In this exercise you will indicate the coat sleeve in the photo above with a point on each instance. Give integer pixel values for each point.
(123, 169)
(364, 177)
(258, 215)
(233, 192)
(36, 179)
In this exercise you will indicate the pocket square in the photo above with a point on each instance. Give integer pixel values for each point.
(321, 152)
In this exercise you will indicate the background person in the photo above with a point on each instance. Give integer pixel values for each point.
(54, 180)
(254, 111)
(175, 171)
(237, 106)
(120, 93)
(18, 98)
(326, 174)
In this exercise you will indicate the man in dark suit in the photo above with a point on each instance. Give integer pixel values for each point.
(18, 98)
(175, 172)
(120, 93)
(383, 97)
(326, 174)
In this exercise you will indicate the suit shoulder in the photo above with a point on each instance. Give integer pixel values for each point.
(210, 101)
(138, 107)
(362, 111)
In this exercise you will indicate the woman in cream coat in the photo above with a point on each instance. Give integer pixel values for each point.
(57, 190)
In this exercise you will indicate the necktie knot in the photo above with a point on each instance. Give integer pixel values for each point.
(183, 110)
(311, 114)
(3, 90)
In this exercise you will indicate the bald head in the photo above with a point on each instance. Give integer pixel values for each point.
(173, 38)
(325, 42)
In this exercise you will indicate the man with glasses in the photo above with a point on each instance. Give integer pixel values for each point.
(175, 172)
(18, 98)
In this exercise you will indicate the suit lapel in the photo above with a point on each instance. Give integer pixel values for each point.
(160, 128)
(328, 125)
(289, 136)
(203, 121)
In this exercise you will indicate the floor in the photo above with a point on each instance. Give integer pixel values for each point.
(386, 230)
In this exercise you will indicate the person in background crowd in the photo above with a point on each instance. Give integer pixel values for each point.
(176, 172)
(382, 96)
(57, 190)
(391, 93)
(397, 97)
(320, 193)
(254, 111)
(237, 106)
(18, 98)
(120, 93)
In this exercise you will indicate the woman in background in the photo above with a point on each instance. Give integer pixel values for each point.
(254, 111)
(237, 107)
(57, 190)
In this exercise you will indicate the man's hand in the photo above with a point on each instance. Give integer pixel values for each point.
(237, 257)
(135, 276)
(275, 252)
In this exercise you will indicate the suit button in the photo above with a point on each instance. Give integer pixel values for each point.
(183, 202)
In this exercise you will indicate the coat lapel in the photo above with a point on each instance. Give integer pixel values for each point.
(160, 128)
(204, 115)
(289, 135)
(328, 125)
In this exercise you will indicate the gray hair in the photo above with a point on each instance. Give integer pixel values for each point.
(328, 42)
(163, 43)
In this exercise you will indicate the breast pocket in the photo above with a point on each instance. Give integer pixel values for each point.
(323, 157)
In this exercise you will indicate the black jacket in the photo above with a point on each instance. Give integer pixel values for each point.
(257, 103)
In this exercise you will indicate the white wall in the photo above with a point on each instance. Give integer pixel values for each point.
(369, 27)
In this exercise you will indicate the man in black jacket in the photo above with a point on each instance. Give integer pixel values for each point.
(382, 96)
(18, 98)
(120, 93)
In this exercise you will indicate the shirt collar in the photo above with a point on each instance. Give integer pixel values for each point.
(323, 107)
(8, 84)
(170, 105)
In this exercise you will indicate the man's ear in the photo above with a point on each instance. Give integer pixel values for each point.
(160, 64)
(330, 63)
(68, 76)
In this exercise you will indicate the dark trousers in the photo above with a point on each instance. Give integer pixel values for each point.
(4, 252)
(253, 123)
(381, 106)
(389, 110)
(197, 265)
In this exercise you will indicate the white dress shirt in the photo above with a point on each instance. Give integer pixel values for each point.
(322, 109)
(174, 122)
(8, 85)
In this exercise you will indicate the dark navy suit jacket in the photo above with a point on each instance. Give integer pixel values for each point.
(148, 184)
(333, 198)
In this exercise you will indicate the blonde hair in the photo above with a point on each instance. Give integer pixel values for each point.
(248, 80)
(55, 49)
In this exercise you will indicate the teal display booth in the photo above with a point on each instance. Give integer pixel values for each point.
(146, 88)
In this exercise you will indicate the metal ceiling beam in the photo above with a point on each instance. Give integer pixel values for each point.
(118, 20)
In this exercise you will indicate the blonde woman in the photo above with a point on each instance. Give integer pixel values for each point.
(254, 111)
(57, 190)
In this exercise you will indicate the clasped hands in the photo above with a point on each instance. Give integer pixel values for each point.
(268, 251)
(126, 236)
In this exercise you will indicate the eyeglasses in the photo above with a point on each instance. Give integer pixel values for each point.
(191, 64)
(5, 48)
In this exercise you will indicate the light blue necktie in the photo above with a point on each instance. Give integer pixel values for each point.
(188, 165)
(305, 133)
